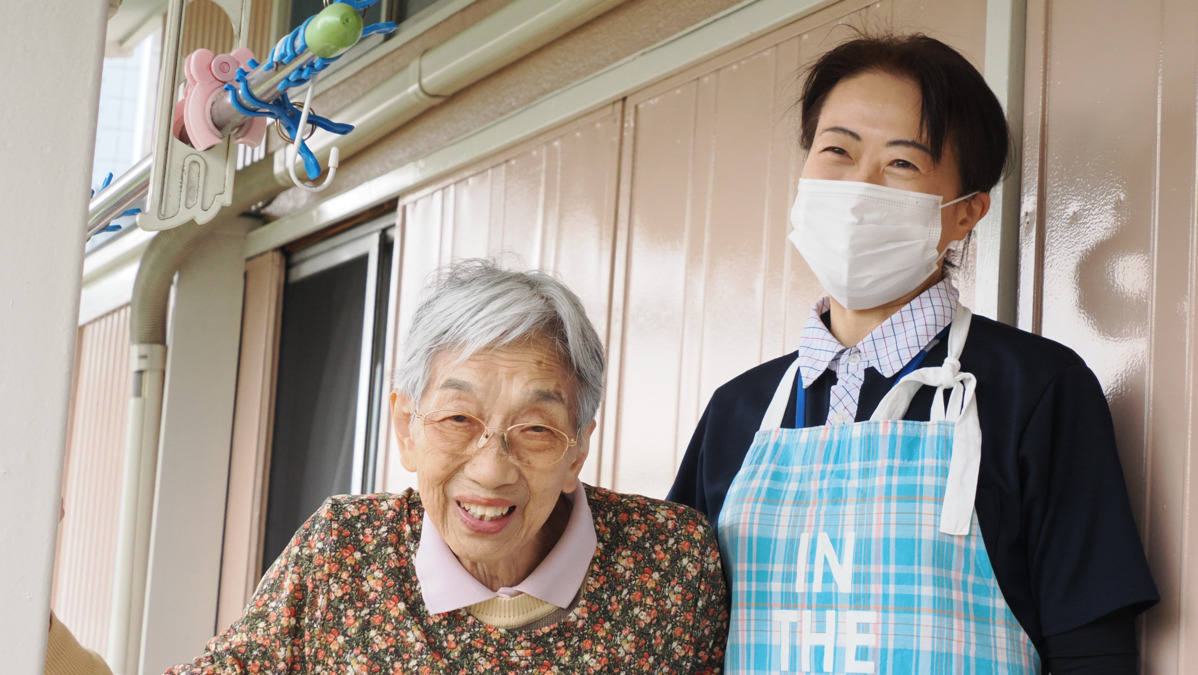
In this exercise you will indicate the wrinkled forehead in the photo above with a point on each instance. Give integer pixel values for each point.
(531, 370)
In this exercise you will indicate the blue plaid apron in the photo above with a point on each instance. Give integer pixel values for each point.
(854, 548)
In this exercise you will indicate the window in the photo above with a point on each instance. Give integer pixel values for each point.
(329, 389)
(125, 116)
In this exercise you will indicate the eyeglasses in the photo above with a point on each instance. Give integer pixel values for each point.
(528, 443)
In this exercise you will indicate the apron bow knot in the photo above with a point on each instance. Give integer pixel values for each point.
(961, 409)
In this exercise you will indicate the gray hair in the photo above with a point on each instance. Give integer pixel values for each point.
(476, 304)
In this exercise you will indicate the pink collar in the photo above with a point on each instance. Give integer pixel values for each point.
(446, 586)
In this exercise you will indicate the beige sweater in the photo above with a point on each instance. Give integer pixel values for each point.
(65, 656)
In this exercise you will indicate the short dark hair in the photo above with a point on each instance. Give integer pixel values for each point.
(958, 105)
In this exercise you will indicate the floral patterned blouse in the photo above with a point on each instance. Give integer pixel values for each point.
(343, 598)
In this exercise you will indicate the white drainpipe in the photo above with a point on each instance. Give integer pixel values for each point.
(485, 47)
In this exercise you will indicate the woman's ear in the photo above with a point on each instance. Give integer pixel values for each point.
(580, 457)
(401, 421)
(969, 213)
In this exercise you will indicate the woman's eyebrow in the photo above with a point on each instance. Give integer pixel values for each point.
(911, 144)
(454, 384)
(841, 130)
(906, 143)
(547, 396)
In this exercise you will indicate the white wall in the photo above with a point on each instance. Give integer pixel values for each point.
(52, 54)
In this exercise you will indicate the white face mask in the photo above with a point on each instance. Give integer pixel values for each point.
(867, 244)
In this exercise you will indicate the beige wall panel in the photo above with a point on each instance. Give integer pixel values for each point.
(471, 207)
(713, 287)
(960, 24)
(92, 479)
(1097, 207)
(704, 184)
(1110, 255)
(547, 204)
(1171, 632)
(253, 422)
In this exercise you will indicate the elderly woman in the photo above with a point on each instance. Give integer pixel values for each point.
(501, 561)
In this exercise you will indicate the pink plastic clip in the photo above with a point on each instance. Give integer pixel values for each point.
(206, 76)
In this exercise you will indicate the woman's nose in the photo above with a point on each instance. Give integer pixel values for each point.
(492, 463)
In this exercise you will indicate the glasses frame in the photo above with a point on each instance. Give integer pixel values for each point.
(489, 432)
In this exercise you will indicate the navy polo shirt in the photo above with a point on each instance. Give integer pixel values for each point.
(1051, 501)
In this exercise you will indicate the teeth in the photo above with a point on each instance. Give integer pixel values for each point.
(486, 512)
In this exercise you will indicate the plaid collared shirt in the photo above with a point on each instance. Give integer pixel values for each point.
(886, 349)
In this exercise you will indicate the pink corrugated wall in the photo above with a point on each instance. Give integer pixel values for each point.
(1110, 257)
(92, 479)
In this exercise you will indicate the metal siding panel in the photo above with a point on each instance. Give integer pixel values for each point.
(739, 194)
(1113, 232)
(523, 219)
(786, 276)
(472, 215)
(1098, 196)
(1098, 203)
(713, 286)
(253, 421)
(661, 225)
(1166, 457)
(206, 25)
(1032, 184)
(1178, 279)
(92, 483)
(581, 243)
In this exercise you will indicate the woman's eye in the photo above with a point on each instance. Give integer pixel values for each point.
(904, 164)
(835, 150)
(457, 420)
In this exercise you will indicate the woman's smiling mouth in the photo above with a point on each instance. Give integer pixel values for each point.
(485, 519)
(486, 513)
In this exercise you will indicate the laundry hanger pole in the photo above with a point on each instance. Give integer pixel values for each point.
(199, 127)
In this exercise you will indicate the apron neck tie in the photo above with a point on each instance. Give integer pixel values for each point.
(956, 513)
(961, 409)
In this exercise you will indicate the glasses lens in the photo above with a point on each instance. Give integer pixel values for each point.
(451, 430)
(537, 444)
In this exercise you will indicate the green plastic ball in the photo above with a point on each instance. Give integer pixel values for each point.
(337, 28)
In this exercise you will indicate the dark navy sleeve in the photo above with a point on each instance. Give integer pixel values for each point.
(1084, 552)
(1104, 647)
(688, 483)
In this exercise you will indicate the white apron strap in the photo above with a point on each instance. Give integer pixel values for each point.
(777, 410)
(957, 510)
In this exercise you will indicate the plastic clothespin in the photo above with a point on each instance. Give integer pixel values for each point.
(294, 150)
